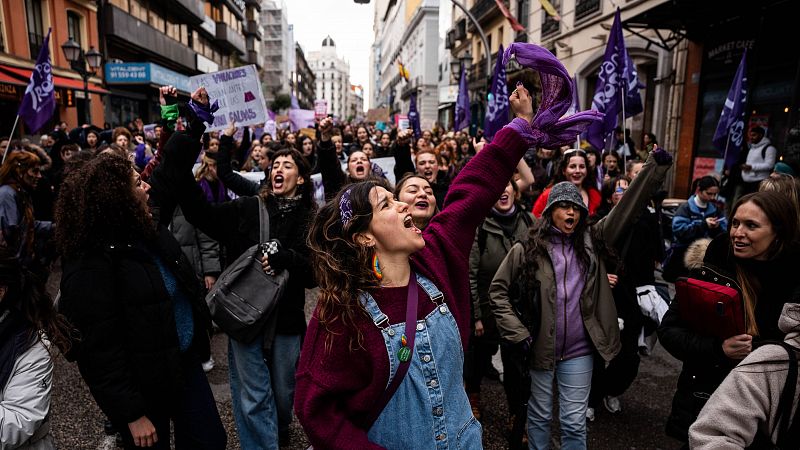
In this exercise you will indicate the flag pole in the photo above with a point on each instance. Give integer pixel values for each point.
(624, 134)
(725, 154)
(10, 137)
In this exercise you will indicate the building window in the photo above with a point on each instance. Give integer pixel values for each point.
(138, 10)
(155, 18)
(523, 10)
(74, 26)
(33, 11)
(585, 8)
(121, 4)
(550, 26)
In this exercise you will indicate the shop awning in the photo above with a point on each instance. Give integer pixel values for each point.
(21, 76)
(6, 79)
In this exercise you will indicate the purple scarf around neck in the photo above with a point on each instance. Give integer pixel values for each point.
(221, 194)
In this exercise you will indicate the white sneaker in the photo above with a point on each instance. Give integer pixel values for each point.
(208, 365)
(612, 404)
(590, 414)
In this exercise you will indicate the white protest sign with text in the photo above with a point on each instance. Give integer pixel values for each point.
(239, 94)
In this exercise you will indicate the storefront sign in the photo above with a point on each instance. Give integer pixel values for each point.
(239, 94)
(144, 73)
(9, 92)
(448, 94)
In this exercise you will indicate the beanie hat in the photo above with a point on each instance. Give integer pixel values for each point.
(782, 167)
(565, 192)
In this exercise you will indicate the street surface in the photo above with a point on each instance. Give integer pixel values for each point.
(77, 422)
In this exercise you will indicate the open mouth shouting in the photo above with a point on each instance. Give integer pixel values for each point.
(428, 174)
(408, 222)
(277, 182)
(361, 171)
(422, 205)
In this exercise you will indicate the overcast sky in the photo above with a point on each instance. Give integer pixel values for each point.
(350, 26)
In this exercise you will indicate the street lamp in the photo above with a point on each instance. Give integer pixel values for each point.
(78, 61)
(465, 61)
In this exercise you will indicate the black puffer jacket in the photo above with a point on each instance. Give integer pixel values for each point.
(704, 363)
(128, 351)
(235, 225)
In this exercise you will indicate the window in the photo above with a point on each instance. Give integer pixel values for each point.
(155, 17)
(121, 4)
(138, 10)
(499, 37)
(523, 10)
(33, 11)
(550, 26)
(585, 8)
(74, 26)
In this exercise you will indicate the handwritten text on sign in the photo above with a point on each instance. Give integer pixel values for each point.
(239, 94)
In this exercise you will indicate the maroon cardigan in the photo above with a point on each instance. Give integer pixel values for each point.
(337, 388)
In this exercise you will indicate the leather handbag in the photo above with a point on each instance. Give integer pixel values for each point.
(244, 297)
(710, 309)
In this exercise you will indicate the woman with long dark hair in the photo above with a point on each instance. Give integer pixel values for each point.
(28, 326)
(573, 167)
(142, 323)
(394, 297)
(757, 257)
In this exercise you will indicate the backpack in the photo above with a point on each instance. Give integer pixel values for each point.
(244, 296)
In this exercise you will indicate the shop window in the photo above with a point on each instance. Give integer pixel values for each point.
(33, 12)
(74, 26)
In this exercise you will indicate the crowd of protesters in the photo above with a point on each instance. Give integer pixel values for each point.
(426, 267)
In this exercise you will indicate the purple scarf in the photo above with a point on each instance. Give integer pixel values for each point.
(548, 129)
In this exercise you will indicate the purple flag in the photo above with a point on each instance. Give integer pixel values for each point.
(39, 100)
(633, 100)
(301, 118)
(294, 104)
(730, 130)
(497, 106)
(611, 78)
(462, 103)
(413, 117)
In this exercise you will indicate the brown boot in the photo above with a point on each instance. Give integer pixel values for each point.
(475, 403)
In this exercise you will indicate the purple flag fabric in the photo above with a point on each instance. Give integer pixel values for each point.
(413, 117)
(548, 128)
(730, 130)
(633, 100)
(611, 78)
(39, 100)
(575, 106)
(497, 106)
(294, 104)
(462, 103)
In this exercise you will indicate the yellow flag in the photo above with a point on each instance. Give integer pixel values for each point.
(550, 9)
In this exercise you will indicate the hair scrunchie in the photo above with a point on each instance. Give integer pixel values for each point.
(548, 128)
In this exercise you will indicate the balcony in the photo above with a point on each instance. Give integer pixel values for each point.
(484, 11)
(130, 32)
(229, 38)
(461, 30)
(550, 27)
(478, 74)
(254, 3)
(251, 28)
(585, 8)
(192, 11)
(252, 57)
(237, 7)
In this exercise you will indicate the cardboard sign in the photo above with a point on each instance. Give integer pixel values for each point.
(320, 109)
(239, 94)
(378, 115)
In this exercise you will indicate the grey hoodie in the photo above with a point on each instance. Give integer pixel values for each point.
(747, 401)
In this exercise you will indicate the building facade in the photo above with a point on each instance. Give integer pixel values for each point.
(148, 43)
(303, 80)
(332, 78)
(277, 49)
(355, 102)
(22, 32)
(407, 31)
(253, 34)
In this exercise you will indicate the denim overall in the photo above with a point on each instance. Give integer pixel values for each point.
(430, 409)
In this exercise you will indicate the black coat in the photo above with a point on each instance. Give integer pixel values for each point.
(235, 225)
(128, 351)
(704, 363)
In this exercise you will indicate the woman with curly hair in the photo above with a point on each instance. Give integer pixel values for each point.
(135, 302)
(28, 326)
(19, 230)
(394, 306)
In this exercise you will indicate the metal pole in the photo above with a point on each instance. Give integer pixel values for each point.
(86, 100)
(11, 137)
(483, 36)
(624, 134)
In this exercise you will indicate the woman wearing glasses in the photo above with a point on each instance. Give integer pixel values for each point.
(576, 315)
(573, 167)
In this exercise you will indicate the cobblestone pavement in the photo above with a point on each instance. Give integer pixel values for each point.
(77, 422)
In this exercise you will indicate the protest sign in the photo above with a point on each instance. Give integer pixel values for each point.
(402, 121)
(239, 94)
(378, 115)
(320, 109)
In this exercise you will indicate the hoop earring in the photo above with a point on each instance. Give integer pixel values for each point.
(376, 268)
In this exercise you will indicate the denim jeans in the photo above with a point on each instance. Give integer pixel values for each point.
(574, 378)
(282, 366)
(254, 408)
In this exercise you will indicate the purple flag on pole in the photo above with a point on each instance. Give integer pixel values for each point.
(39, 100)
(609, 83)
(633, 100)
(730, 130)
(497, 106)
(294, 104)
(462, 103)
(413, 117)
